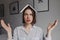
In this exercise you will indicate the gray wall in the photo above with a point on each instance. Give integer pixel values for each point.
(43, 18)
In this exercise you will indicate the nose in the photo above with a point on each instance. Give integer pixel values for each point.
(28, 16)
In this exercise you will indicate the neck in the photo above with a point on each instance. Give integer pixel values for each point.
(28, 27)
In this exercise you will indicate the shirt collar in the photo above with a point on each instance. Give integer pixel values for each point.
(30, 29)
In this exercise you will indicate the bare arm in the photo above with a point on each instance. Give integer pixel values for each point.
(51, 26)
(7, 28)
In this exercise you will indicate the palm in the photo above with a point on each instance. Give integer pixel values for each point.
(6, 27)
(52, 26)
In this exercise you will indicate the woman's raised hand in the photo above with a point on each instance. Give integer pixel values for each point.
(6, 27)
(51, 26)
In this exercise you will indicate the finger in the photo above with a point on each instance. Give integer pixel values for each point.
(55, 23)
(3, 23)
(49, 26)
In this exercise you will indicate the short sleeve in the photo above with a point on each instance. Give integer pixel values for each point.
(15, 34)
(48, 37)
(43, 37)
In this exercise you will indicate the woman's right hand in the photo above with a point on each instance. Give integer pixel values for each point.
(6, 27)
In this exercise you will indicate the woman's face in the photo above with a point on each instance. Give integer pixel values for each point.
(28, 17)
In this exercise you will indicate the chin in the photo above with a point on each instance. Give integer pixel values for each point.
(28, 22)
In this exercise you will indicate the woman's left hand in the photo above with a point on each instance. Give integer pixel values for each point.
(51, 26)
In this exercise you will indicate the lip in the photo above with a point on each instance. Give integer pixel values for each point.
(28, 20)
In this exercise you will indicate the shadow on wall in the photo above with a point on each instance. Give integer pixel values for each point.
(2, 31)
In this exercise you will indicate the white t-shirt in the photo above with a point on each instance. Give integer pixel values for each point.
(35, 33)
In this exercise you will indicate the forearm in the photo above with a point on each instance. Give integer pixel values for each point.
(9, 36)
(48, 35)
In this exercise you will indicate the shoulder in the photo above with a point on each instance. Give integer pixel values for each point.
(18, 28)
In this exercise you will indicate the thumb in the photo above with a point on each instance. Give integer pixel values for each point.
(8, 25)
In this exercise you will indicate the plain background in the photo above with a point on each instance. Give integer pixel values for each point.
(43, 18)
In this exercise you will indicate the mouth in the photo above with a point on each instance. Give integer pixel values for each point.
(28, 20)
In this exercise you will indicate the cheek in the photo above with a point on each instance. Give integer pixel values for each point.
(31, 18)
(25, 17)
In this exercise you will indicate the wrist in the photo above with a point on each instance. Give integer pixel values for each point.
(48, 33)
(9, 35)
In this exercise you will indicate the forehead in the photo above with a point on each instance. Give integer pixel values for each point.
(28, 11)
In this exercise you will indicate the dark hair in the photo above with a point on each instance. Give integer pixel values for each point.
(34, 15)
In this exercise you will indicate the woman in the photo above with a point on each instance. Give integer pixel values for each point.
(28, 31)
